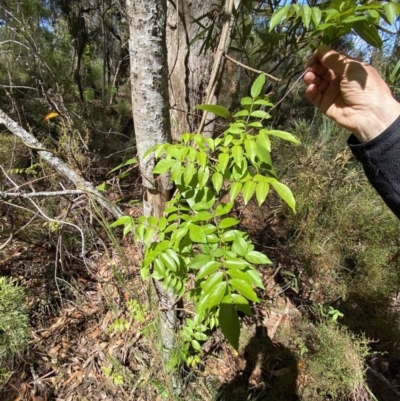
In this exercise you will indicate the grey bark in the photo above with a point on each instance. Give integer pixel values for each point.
(59, 165)
(150, 107)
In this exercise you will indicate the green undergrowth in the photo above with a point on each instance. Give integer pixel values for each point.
(330, 359)
(345, 243)
(344, 235)
(13, 323)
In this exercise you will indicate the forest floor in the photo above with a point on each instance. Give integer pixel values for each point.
(73, 354)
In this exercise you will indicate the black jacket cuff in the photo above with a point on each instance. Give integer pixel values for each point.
(380, 158)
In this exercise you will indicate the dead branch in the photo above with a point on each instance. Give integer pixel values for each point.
(26, 195)
(59, 165)
(246, 67)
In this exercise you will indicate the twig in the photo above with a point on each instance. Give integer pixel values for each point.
(7, 242)
(14, 41)
(51, 220)
(26, 195)
(246, 67)
(43, 377)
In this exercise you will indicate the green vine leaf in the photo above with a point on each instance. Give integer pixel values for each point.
(246, 101)
(262, 192)
(207, 269)
(229, 322)
(168, 261)
(159, 267)
(239, 245)
(368, 32)
(189, 173)
(242, 304)
(199, 261)
(237, 154)
(251, 149)
(278, 15)
(260, 114)
(244, 289)
(217, 180)
(223, 160)
(285, 193)
(248, 191)
(257, 258)
(235, 189)
(163, 166)
(391, 13)
(197, 234)
(316, 16)
(255, 278)
(223, 208)
(217, 110)
(306, 15)
(228, 222)
(257, 86)
(283, 135)
(236, 263)
(216, 294)
(211, 282)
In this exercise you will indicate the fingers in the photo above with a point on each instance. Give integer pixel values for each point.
(313, 95)
(310, 78)
(331, 60)
(319, 70)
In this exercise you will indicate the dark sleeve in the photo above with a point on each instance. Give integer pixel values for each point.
(380, 158)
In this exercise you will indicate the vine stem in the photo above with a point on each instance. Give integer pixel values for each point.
(290, 89)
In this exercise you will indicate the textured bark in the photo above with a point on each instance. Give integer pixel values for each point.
(190, 71)
(207, 121)
(150, 107)
(59, 165)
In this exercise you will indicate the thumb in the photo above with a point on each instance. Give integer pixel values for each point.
(331, 59)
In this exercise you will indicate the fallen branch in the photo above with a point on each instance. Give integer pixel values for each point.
(59, 165)
(26, 195)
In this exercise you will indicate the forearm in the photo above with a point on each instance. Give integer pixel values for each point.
(380, 158)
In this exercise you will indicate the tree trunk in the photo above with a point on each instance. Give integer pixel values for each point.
(150, 107)
(190, 70)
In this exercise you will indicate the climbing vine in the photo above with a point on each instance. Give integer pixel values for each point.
(196, 250)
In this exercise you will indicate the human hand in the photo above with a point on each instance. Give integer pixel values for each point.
(351, 93)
